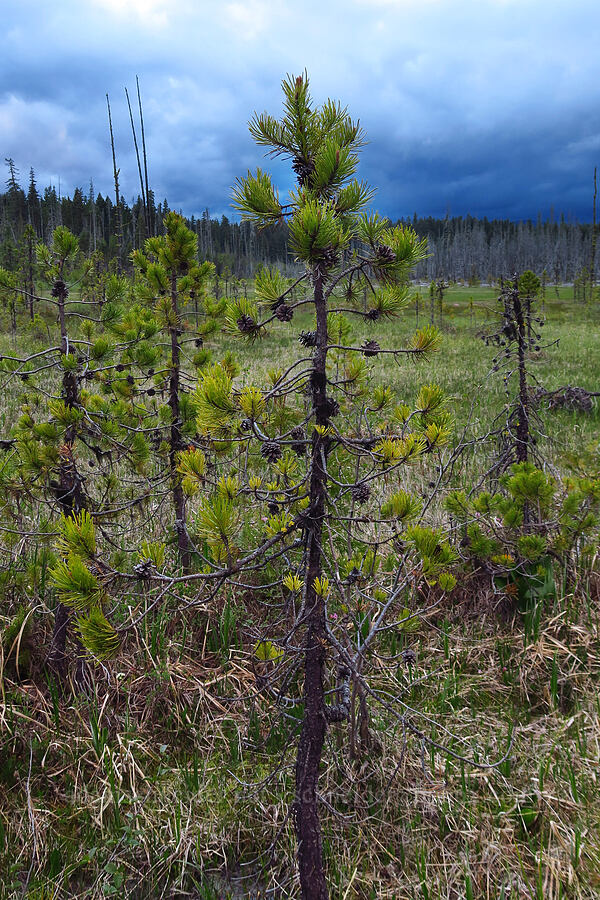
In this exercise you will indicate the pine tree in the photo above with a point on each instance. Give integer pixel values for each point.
(318, 471)
(33, 205)
(69, 441)
(170, 273)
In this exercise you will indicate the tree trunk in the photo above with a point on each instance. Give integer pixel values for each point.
(314, 725)
(523, 425)
(56, 661)
(30, 286)
(183, 541)
(69, 492)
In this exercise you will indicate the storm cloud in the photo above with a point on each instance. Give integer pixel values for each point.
(489, 107)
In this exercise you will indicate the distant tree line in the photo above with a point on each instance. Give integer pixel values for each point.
(460, 248)
(94, 219)
(483, 250)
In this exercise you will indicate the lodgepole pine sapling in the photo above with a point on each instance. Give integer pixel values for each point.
(319, 471)
(168, 274)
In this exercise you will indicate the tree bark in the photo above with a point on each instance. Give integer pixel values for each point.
(69, 493)
(314, 725)
(30, 285)
(183, 541)
(523, 425)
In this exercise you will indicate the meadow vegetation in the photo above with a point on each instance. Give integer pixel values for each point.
(159, 604)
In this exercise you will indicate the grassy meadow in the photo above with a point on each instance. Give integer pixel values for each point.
(171, 780)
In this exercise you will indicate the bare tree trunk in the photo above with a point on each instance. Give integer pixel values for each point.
(139, 165)
(523, 424)
(151, 228)
(117, 196)
(30, 284)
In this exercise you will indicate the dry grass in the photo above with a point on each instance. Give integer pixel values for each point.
(155, 783)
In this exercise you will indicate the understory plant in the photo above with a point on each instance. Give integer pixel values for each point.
(530, 530)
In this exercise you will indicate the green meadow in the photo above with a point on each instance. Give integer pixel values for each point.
(171, 779)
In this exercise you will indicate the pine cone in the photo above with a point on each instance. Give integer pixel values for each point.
(271, 450)
(384, 254)
(144, 568)
(332, 407)
(372, 315)
(308, 338)
(361, 492)
(303, 169)
(327, 259)
(59, 289)
(284, 312)
(246, 324)
(299, 437)
(370, 348)
(409, 657)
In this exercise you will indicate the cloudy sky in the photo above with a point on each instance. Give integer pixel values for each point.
(488, 107)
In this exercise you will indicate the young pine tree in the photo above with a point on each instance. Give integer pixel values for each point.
(82, 420)
(285, 447)
(169, 274)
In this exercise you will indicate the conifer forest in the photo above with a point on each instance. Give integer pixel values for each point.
(299, 533)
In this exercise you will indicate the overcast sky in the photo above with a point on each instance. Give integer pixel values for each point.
(488, 107)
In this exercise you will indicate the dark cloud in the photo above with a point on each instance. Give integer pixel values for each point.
(487, 107)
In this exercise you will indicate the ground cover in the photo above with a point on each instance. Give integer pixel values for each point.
(161, 784)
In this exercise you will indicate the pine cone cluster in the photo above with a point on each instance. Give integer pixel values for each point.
(270, 450)
(328, 258)
(59, 289)
(299, 436)
(308, 338)
(284, 312)
(332, 407)
(361, 492)
(144, 568)
(370, 348)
